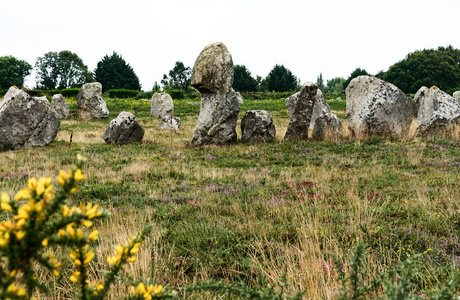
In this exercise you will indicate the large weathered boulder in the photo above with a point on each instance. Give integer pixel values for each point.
(212, 75)
(170, 123)
(320, 108)
(26, 121)
(161, 105)
(438, 113)
(300, 107)
(59, 105)
(456, 95)
(377, 107)
(123, 129)
(327, 127)
(257, 127)
(90, 103)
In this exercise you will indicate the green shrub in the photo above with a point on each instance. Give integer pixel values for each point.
(145, 95)
(122, 93)
(70, 92)
(266, 95)
(35, 93)
(177, 94)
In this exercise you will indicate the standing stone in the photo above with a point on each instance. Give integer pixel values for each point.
(327, 127)
(438, 114)
(240, 98)
(213, 77)
(123, 129)
(170, 123)
(59, 105)
(456, 95)
(161, 105)
(300, 107)
(90, 103)
(320, 108)
(26, 121)
(377, 107)
(257, 127)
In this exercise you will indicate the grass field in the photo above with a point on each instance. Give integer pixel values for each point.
(255, 213)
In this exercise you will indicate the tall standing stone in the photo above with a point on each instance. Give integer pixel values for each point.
(213, 77)
(59, 105)
(320, 108)
(90, 103)
(161, 105)
(377, 107)
(300, 107)
(26, 121)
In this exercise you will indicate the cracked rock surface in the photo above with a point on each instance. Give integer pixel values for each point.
(90, 103)
(170, 123)
(123, 129)
(26, 121)
(257, 127)
(59, 105)
(300, 107)
(161, 105)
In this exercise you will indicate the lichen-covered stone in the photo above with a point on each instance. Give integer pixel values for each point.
(320, 108)
(257, 127)
(26, 121)
(90, 103)
(123, 129)
(59, 105)
(327, 127)
(161, 105)
(300, 107)
(438, 114)
(212, 75)
(170, 123)
(377, 107)
(456, 95)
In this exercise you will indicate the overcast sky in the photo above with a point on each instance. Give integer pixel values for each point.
(332, 37)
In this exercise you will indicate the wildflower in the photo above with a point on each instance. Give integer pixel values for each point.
(45, 243)
(78, 176)
(93, 235)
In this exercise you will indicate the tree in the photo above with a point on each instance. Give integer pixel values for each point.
(334, 85)
(357, 72)
(281, 79)
(320, 82)
(243, 80)
(13, 71)
(113, 72)
(179, 78)
(440, 67)
(61, 70)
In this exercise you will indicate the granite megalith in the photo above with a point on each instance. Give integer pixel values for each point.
(90, 103)
(300, 107)
(59, 105)
(161, 105)
(123, 129)
(257, 127)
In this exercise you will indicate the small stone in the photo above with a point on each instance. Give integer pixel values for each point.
(123, 129)
(161, 105)
(90, 103)
(257, 127)
(59, 105)
(170, 123)
(327, 127)
(320, 108)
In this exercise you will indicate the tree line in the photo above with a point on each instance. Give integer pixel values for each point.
(64, 69)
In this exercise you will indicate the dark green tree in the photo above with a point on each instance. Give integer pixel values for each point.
(320, 81)
(281, 79)
(13, 71)
(113, 72)
(440, 67)
(357, 72)
(179, 78)
(61, 70)
(334, 85)
(243, 80)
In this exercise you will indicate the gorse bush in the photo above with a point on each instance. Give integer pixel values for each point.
(40, 222)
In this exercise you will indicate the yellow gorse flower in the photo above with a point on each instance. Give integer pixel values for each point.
(147, 291)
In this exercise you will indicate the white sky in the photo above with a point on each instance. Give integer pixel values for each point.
(308, 37)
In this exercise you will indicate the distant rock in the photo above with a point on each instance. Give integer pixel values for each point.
(59, 105)
(257, 127)
(300, 107)
(240, 98)
(161, 105)
(123, 129)
(90, 103)
(327, 127)
(456, 95)
(377, 107)
(212, 75)
(170, 123)
(26, 121)
(320, 108)
(438, 114)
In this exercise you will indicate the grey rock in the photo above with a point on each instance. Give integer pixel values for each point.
(300, 107)
(320, 108)
(161, 105)
(456, 95)
(123, 129)
(59, 105)
(240, 98)
(377, 107)
(90, 103)
(212, 75)
(257, 127)
(327, 127)
(170, 123)
(438, 114)
(26, 121)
